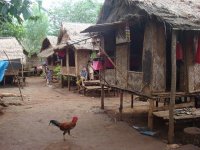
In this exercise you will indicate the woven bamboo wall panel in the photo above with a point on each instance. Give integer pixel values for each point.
(122, 65)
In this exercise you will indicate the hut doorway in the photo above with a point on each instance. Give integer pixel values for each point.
(71, 58)
(136, 48)
(180, 66)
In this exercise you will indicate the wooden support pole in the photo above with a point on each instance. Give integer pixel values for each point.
(173, 89)
(132, 97)
(62, 86)
(68, 82)
(157, 103)
(150, 114)
(102, 96)
(121, 104)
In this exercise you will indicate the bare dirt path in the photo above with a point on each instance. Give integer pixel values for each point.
(26, 127)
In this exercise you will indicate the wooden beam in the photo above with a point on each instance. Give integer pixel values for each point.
(102, 96)
(177, 106)
(121, 104)
(150, 114)
(173, 89)
(62, 86)
(68, 82)
(132, 97)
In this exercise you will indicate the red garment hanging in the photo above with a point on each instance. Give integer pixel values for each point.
(197, 57)
(61, 53)
(179, 51)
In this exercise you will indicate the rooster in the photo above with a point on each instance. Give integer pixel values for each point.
(65, 126)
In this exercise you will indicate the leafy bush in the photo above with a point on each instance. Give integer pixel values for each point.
(57, 71)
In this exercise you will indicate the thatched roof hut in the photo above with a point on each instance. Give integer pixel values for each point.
(77, 48)
(182, 14)
(47, 46)
(70, 34)
(155, 48)
(12, 48)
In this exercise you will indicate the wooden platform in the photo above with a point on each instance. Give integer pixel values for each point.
(165, 115)
(90, 88)
(92, 83)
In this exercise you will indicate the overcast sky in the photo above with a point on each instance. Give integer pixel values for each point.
(52, 3)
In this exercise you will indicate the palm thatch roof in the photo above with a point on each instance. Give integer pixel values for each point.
(70, 33)
(181, 14)
(47, 46)
(12, 48)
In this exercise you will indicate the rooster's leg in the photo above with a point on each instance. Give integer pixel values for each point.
(68, 132)
(64, 135)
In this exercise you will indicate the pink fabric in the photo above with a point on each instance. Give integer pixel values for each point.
(179, 52)
(197, 57)
(97, 65)
(108, 64)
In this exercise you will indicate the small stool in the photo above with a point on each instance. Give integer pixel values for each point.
(192, 135)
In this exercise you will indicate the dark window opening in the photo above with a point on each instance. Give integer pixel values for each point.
(110, 48)
(49, 61)
(64, 61)
(71, 58)
(54, 59)
(110, 43)
(136, 48)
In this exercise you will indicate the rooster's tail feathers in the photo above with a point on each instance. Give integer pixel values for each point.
(54, 122)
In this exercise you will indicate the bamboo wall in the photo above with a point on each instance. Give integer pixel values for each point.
(122, 65)
(82, 59)
(193, 68)
(159, 59)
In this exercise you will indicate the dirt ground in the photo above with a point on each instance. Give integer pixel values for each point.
(26, 126)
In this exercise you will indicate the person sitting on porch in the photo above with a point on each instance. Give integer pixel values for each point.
(83, 76)
(90, 70)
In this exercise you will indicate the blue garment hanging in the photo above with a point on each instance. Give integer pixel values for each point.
(3, 67)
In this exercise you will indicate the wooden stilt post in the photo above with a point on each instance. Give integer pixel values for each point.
(4, 80)
(68, 82)
(102, 96)
(173, 89)
(150, 114)
(62, 86)
(157, 103)
(132, 97)
(121, 104)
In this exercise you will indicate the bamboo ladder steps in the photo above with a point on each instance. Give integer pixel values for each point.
(192, 136)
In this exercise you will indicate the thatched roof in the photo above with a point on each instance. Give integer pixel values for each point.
(70, 33)
(181, 14)
(47, 46)
(12, 48)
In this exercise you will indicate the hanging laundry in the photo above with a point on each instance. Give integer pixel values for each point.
(93, 55)
(3, 67)
(108, 64)
(197, 57)
(179, 51)
(97, 65)
(61, 53)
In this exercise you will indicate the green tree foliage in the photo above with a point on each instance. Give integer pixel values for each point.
(84, 11)
(10, 29)
(18, 9)
(12, 15)
(35, 31)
